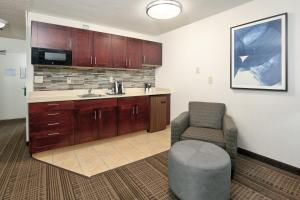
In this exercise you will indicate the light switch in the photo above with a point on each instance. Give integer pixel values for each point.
(210, 80)
(38, 79)
(111, 79)
(197, 70)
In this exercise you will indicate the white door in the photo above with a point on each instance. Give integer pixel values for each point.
(12, 82)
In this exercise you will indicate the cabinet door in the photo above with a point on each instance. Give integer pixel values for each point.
(102, 49)
(141, 113)
(118, 45)
(107, 122)
(87, 129)
(126, 119)
(134, 53)
(50, 36)
(158, 113)
(152, 53)
(82, 47)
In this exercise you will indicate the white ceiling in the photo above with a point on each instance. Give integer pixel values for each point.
(123, 14)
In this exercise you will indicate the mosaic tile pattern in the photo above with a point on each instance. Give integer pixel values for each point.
(55, 78)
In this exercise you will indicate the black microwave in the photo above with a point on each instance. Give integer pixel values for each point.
(41, 56)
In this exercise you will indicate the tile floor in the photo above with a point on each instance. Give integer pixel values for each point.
(95, 157)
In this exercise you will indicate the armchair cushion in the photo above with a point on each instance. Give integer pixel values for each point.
(206, 115)
(230, 136)
(178, 126)
(204, 134)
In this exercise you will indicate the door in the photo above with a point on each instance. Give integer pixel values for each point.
(152, 53)
(87, 129)
(102, 50)
(82, 47)
(107, 122)
(141, 113)
(50, 36)
(134, 53)
(118, 45)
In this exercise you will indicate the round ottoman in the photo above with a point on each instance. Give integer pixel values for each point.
(199, 170)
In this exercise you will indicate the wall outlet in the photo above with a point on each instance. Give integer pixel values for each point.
(111, 79)
(38, 79)
(210, 80)
(197, 70)
(69, 80)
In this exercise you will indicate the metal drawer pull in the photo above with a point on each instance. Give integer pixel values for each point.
(53, 124)
(95, 114)
(100, 114)
(49, 134)
(53, 104)
(137, 109)
(132, 110)
(53, 114)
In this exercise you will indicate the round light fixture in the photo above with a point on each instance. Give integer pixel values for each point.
(163, 9)
(2, 23)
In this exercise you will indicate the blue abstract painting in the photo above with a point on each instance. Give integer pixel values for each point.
(258, 54)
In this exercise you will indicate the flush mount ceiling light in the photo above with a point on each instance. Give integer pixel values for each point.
(163, 9)
(2, 23)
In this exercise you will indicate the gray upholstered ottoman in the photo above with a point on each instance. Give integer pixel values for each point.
(199, 170)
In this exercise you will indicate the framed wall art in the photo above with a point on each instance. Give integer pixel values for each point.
(259, 54)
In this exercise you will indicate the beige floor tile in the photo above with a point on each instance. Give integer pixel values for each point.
(95, 157)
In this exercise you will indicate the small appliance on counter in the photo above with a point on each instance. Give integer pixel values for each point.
(148, 87)
(117, 88)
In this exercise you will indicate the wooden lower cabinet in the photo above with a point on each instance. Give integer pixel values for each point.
(59, 124)
(158, 113)
(95, 119)
(133, 114)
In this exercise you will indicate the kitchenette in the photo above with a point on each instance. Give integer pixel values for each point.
(91, 85)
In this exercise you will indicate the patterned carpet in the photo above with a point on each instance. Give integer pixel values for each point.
(22, 177)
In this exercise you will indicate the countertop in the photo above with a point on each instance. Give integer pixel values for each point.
(70, 95)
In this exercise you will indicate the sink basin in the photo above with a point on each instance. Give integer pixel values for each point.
(90, 95)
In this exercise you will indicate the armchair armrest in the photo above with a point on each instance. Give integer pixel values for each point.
(230, 135)
(178, 126)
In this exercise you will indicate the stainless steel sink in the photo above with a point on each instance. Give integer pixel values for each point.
(89, 95)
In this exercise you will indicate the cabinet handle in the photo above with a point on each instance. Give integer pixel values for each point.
(95, 114)
(70, 43)
(91, 60)
(133, 110)
(53, 104)
(95, 60)
(126, 62)
(144, 59)
(53, 124)
(137, 109)
(129, 63)
(100, 114)
(53, 114)
(49, 134)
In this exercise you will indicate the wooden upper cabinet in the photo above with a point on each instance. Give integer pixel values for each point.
(152, 53)
(82, 47)
(134, 53)
(118, 46)
(102, 49)
(50, 36)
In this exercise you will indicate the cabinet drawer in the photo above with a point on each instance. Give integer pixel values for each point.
(95, 104)
(52, 131)
(38, 144)
(51, 117)
(50, 106)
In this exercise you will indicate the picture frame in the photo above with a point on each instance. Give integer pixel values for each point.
(259, 54)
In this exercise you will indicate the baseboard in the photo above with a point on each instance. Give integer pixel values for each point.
(14, 120)
(270, 161)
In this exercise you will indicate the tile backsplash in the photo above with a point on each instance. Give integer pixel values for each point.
(55, 78)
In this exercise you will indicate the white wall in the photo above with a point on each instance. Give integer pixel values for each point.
(12, 100)
(268, 122)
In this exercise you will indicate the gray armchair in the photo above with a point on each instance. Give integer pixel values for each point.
(207, 122)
